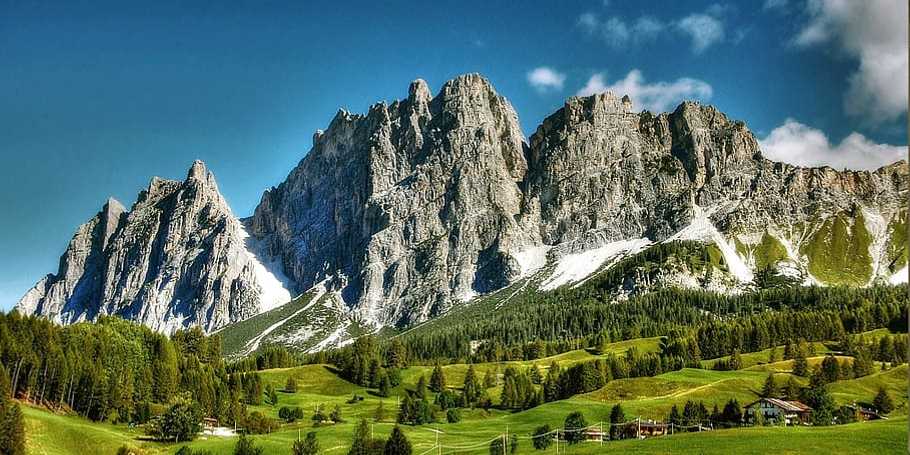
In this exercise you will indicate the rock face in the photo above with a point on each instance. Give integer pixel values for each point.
(401, 213)
(177, 258)
(406, 207)
(429, 200)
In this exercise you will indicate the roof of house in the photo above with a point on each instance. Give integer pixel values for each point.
(791, 406)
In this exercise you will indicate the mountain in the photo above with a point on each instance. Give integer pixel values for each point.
(178, 257)
(400, 214)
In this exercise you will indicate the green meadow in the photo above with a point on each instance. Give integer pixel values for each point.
(647, 397)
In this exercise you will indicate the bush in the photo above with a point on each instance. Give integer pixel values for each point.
(291, 385)
(542, 439)
(181, 422)
(453, 415)
(258, 423)
(289, 414)
(129, 450)
(308, 446)
(883, 401)
(574, 427)
(245, 447)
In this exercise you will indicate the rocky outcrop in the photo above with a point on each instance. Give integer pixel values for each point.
(176, 258)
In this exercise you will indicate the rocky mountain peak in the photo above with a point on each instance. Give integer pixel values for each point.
(177, 258)
(396, 215)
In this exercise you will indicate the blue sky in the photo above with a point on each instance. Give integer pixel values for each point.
(95, 98)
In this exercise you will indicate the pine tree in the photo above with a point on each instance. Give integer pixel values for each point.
(245, 447)
(398, 443)
(542, 438)
(489, 378)
(736, 360)
(336, 415)
(470, 391)
(308, 446)
(421, 390)
(379, 415)
(384, 384)
(271, 395)
(291, 385)
(574, 427)
(360, 445)
(883, 401)
(770, 390)
(793, 389)
(674, 416)
(534, 374)
(617, 416)
(437, 379)
(800, 365)
(12, 428)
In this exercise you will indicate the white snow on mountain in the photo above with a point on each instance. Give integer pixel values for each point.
(899, 277)
(272, 281)
(702, 229)
(575, 267)
(532, 259)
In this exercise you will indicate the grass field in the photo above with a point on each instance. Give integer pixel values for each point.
(650, 398)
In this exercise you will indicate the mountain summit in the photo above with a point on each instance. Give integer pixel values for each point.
(395, 216)
(178, 257)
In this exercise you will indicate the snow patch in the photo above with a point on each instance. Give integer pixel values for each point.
(702, 229)
(878, 229)
(899, 277)
(577, 266)
(531, 259)
(273, 283)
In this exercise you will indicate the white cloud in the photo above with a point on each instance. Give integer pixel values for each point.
(803, 145)
(654, 97)
(704, 30)
(875, 33)
(617, 32)
(545, 78)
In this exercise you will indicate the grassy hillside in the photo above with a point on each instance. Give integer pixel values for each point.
(648, 397)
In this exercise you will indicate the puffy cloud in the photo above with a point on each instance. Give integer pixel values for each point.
(704, 30)
(875, 33)
(545, 78)
(654, 97)
(802, 145)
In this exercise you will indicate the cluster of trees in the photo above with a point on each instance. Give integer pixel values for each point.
(540, 324)
(265, 358)
(589, 376)
(118, 371)
(363, 363)
(12, 425)
(364, 443)
(696, 413)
